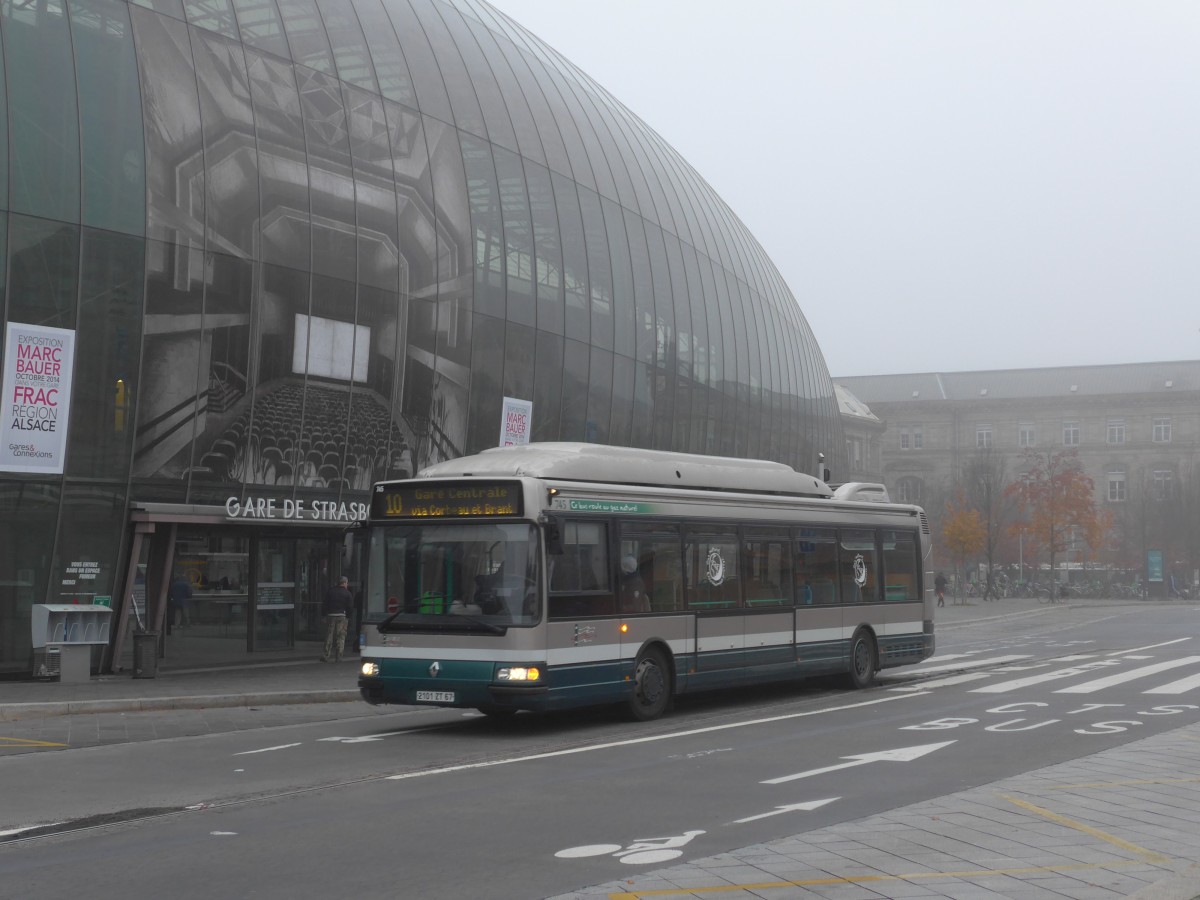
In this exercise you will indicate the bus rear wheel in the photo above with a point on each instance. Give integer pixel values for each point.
(862, 661)
(651, 686)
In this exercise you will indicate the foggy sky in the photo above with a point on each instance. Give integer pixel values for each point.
(945, 185)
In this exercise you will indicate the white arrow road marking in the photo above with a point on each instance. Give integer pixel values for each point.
(370, 737)
(904, 754)
(266, 749)
(28, 828)
(791, 807)
(1088, 686)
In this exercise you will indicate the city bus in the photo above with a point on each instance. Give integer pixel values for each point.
(549, 576)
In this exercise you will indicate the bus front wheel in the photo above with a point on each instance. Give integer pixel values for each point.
(651, 686)
(862, 661)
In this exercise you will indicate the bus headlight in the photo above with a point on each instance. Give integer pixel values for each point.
(519, 673)
(370, 668)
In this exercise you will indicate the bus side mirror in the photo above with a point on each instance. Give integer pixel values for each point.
(553, 529)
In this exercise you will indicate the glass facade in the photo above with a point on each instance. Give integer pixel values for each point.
(306, 244)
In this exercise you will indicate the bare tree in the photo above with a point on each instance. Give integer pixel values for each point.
(985, 482)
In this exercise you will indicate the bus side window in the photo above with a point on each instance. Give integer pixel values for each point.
(815, 564)
(655, 547)
(580, 583)
(712, 564)
(859, 569)
(900, 565)
(767, 569)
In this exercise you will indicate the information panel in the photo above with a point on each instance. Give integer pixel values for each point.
(448, 500)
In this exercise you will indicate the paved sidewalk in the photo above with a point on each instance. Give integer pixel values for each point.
(1122, 823)
(268, 684)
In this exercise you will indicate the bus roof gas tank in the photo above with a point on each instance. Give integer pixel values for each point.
(569, 461)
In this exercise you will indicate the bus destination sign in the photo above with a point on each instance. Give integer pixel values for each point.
(448, 500)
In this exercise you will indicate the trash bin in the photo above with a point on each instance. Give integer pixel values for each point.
(145, 654)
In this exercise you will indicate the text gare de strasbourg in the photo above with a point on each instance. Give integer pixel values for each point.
(292, 510)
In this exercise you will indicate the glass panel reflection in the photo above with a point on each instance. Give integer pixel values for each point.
(44, 139)
(275, 594)
(110, 117)
(210, 582)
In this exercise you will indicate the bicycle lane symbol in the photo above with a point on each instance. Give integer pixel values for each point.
(641, 852)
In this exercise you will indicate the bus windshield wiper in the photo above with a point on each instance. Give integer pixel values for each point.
(382, 626)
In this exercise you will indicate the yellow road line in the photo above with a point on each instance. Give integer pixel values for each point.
(26, 742)
(1147, 855)
(862, 879)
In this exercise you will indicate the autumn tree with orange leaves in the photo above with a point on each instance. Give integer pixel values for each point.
(964, 531)
(1057, 501)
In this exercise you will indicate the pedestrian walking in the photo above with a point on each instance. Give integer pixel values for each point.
(939, 587)
(336, 608)
(180, 600)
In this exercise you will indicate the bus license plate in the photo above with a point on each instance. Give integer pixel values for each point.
(436, 696)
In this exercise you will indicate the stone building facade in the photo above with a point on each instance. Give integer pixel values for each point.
(1135, 427)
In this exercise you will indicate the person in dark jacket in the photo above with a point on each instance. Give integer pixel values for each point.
(180, 597)
(939, 587)
(336, 608)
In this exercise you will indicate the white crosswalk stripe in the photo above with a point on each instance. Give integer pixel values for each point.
(967, 664)
(1097, 684)
(943, 682)
(1182, 686)
(1018, 683)
(1109, 666)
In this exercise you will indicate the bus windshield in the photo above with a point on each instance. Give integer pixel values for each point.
(478, 576)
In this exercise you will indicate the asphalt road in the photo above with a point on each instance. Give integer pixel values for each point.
(435, 803)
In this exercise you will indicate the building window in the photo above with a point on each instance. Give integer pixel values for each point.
(1162, 430)
(1116, 486)
(1116, 431)
(905, 439)
(909, 490)
(983, 436)
(1162, 483)
(1025, 434)
(1071, 434)
(917, 437)
(854, 448)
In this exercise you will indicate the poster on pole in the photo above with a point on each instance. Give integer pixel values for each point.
(515, 422)
(1154, 565)
(38, 364)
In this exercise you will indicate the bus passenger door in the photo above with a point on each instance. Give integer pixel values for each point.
(713, 585)
(767, 596)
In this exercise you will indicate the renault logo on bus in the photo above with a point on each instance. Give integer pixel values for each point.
(435, 669)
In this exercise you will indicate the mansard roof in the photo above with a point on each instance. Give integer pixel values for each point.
(1161, 378)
